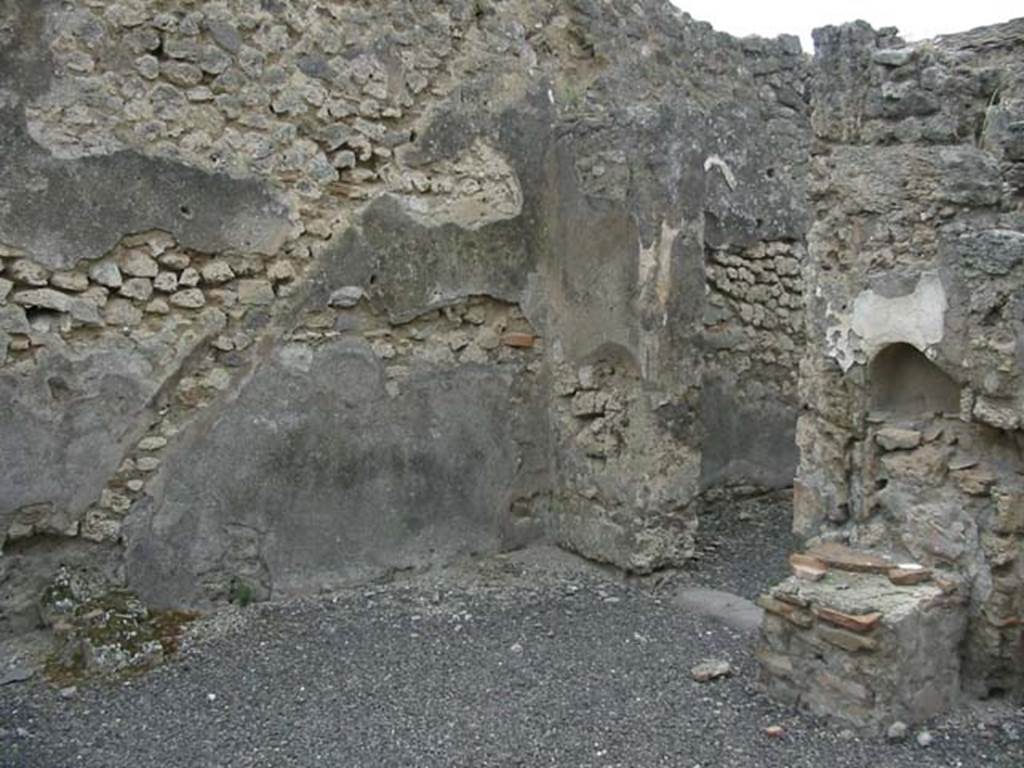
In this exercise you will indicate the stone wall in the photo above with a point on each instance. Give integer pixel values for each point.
(911, 437)
(754, 332)
(298, 294)
(294, 294)
(857, 647)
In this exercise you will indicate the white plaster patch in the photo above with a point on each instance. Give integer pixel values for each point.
(655, 263)
(714, 161)
(876, 321)
(839, 341)
(654, 273)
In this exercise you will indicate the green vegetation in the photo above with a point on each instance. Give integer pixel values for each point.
(242, 593)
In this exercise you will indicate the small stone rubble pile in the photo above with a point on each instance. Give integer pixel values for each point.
(104, 632)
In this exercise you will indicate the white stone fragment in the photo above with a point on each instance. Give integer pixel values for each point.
(346, 297)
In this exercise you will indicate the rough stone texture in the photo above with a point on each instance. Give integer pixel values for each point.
(911, 382)
(296, 294)
(503, 647)
(856, 647)
(292, 487)
(244, 204)
(754, 335)
(65, 206)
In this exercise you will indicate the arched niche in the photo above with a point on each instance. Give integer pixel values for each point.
(906, 383)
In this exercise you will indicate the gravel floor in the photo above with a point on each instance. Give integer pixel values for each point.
(534, 659)
(742, 547)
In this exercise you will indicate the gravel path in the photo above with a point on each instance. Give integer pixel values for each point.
(533, 659)
(743, 546)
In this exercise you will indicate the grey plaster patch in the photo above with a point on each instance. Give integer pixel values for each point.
(732, 610)
(61, 212)
(315, 477)
(61, 428)
(452, 262)
(746, 442)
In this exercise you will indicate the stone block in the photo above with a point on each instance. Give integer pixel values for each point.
(777, 664)
(166, 282)
(216, 272)
(282, 271)
(75, 282)
(138, 263)
(346, 297)
(807, 567)
(808, 508)
(520, 340)
(854, 622)
(190, 298)
(844, 558)
(790, 613)
(588, 404)
(107, 274)
(895, 439)
(46, 298)
(908, 574)
(1009, 513)
(43, 298)
(189, 278)
(893, 57)
(255, 292)
(28, 273)
(848, 641)
(866, 652)
(138, 288)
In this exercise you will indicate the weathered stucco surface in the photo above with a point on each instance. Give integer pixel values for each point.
(911, 381)
(299, 294)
